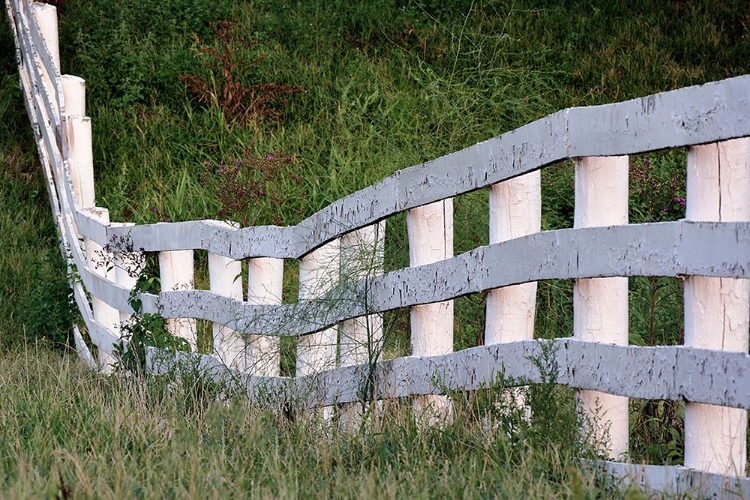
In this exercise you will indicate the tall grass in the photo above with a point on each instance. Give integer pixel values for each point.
(69, 433)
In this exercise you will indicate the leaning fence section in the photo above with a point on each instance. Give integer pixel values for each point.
(339, 322)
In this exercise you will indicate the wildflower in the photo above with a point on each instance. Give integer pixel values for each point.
(269, 157)
(206, 163)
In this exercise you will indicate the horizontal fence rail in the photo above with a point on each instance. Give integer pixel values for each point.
(698, 375)
(339, 320)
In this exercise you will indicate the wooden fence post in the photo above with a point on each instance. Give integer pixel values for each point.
(430, 229)
(717, 309)
(79, 153)
(265, 283)
(128, 266)
(318, 274)
(362, 254)
(225, 278)
(600, 305)
(74, 93)
(100, 262)
(81, 159)
(177, 272)
(515, 211)
(46, 17)
(362, 257)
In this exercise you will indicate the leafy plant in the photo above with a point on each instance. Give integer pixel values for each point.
(658, 431)
(144, 330)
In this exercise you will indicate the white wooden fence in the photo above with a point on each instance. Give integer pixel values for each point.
(710, 249)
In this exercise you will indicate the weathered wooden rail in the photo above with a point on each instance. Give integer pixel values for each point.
(338, 322)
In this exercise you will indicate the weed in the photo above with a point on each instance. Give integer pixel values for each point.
(658, 431)
(144, 330)
(225, 87)
(244, 186)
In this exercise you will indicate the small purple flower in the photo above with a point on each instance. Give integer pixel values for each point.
(645, 160)
(240, 163)
(269, 157)
(665, 210)
(206, 163)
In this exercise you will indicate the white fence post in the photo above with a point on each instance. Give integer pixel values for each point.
(318, 274)
(515, 211)
(717, 309)
(177, 272)
(265, 283)
(128, 266)
(362, 255)
(430, 229)
(225, 278)
(600, 305)
(46, 17)
(81, 159)
(74, 93)
(78, 148)
(100, 262)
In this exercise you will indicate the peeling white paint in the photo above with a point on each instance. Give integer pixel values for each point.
(600, 305)
(717, 310)
(177, 272)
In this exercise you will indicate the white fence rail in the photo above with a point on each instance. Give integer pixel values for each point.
(711, 249)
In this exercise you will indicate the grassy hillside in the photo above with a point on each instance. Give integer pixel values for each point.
(287, 106)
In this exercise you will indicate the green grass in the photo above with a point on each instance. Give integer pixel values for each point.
(69, 433)
(388, 85)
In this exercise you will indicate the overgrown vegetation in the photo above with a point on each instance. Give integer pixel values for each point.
(144, 330)
(387, 85)
(69, 433)
(223, 87)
